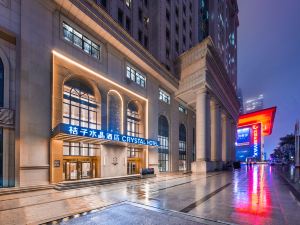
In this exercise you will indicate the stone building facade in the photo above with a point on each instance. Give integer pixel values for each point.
(83, 99)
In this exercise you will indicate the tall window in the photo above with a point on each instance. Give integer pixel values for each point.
(182, 109)
(79, 149)
(81, 41)
(128, 3)
(134, 152)
(163, 138)
(135, 75)
(114, 112)
(80, 107)
(133, 120)
(1, 129)
(164, 96)
(182, 147)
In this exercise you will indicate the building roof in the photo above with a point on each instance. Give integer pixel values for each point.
(264, 116)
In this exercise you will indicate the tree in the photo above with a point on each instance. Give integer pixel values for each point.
(285, 149)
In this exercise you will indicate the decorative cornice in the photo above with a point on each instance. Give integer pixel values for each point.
(210, 74)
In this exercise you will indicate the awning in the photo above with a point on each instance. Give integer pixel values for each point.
(265, 117)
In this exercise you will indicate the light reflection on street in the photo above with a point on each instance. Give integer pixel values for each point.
(256, 200)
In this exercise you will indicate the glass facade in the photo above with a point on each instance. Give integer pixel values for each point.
(182, 109)
(81, 109)
(182, 147)
(164, 96)
(114, 112)
(135, 76)
(133, 120)
(81, 41)
(163, 138)
(79, 149)
(79, 105)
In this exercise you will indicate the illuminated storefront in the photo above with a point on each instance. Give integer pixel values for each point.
(102, 130)
(252, 129)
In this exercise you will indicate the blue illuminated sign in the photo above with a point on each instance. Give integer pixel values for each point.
(101, 134)
(248, 142)
(243, 136)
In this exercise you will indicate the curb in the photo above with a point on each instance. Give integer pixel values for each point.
(292, 188)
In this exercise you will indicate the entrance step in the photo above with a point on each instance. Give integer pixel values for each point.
(15, 190)
(93, 182)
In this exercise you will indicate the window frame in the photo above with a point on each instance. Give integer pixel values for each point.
(135, 75)
(80, 147)
(81, 105)
(164, 96)
(80, 40)
(182, 109)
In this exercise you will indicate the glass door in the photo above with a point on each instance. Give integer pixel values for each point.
(73, 170)
(131, 168)
(86, 170)
(70, 171)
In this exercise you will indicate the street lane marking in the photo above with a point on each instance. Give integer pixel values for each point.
(204, 199)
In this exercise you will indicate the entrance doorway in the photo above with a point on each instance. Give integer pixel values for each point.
(77, 169)
(131, 168)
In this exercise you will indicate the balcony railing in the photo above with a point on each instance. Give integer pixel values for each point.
(7, 118)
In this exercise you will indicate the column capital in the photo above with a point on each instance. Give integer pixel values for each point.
(202, 90)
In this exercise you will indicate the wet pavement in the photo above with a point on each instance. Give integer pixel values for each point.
(252, 195)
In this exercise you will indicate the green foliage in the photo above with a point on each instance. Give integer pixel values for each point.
(285, 149)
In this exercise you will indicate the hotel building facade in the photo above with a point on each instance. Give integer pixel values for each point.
(82, 98)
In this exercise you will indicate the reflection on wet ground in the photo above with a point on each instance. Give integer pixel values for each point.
(252, 195)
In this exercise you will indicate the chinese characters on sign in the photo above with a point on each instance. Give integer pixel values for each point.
(101, 134)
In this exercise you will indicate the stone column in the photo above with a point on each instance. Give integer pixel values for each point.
(202, 131)
(224, 140)
(234, 127)
(216, 154)
(219, 134)
(203, 126)
(228, 138)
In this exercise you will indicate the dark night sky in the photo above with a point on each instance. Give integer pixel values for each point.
(269, 59)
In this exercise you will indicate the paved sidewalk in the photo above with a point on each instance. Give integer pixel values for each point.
(137, 214)
(43, 206)
(255, 195)
(292, 176)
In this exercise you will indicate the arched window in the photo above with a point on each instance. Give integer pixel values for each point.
(115, 112)
(133, 120)
(80, 106)
(163, 138)
(182, 147)
(1, 83)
